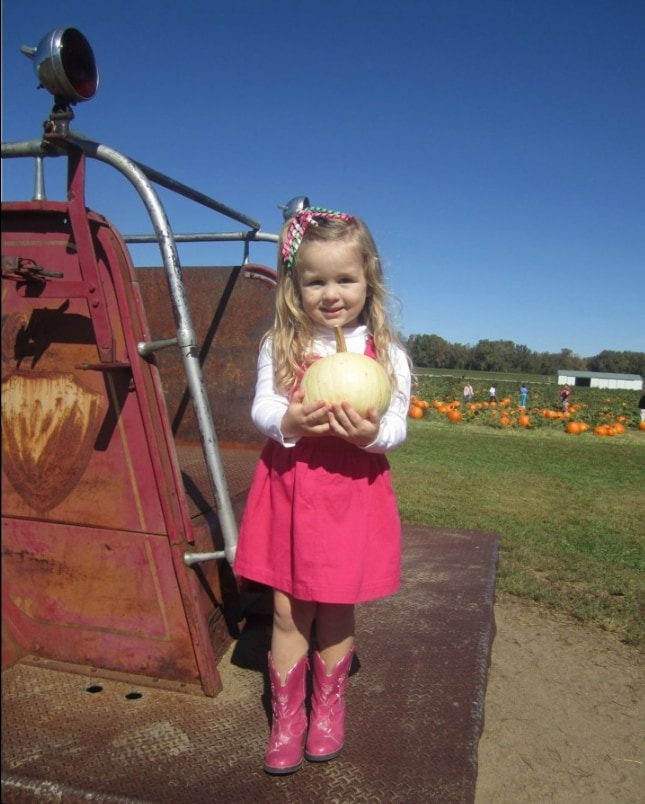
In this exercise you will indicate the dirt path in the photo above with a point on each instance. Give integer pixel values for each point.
(565, 713)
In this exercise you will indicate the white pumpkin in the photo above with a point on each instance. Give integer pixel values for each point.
(348, 377)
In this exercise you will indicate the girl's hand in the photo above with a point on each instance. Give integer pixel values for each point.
(346, 423)
(305, 420)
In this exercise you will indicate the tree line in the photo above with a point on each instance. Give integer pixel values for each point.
(433, 351)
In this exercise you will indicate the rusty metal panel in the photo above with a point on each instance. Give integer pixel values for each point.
(95, 518)
(96, 597)
(231, 313)
(73, 438)
(415, 708)
(239, 465)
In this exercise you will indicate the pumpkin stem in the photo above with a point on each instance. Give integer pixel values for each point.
(341, 346)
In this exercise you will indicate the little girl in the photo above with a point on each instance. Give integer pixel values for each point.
(321, 525)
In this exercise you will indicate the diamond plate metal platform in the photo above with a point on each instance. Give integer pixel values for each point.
(415, 708)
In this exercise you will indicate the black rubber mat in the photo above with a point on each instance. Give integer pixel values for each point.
(414, 718)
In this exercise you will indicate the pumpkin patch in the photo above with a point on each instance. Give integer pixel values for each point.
(438, 398)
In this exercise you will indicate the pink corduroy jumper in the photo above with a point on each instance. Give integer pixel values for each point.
(321, 522)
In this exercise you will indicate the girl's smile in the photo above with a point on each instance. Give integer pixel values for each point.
(332, 283)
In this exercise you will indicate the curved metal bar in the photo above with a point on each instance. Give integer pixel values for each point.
(186, 339)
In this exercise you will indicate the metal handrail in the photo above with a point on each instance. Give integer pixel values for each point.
(142, 177)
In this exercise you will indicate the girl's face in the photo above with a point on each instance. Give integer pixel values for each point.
(332, 283)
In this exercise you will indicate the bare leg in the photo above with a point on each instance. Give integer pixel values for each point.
(335, 626)
(292, 622)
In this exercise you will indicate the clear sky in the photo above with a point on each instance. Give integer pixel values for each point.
(496, 148)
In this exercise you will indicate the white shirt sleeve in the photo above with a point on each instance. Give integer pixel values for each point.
(269, 406)
(394, 424)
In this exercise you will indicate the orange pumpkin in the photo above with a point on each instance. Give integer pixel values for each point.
(453, 415)
(415, 412)
(573, 428)
(523, 420)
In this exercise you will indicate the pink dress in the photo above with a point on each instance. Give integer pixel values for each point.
(321, 522)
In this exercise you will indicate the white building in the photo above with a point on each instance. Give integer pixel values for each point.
(600, 379)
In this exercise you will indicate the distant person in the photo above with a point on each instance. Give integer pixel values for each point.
(641, 405)
(492, 393)
(565, 396)
(524, 393)
(469, 393)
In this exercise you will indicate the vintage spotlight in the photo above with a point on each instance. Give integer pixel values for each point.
(294, 206)
(65, 66)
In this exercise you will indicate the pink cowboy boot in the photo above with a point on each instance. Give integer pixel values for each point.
(327, 721)
(289, 726)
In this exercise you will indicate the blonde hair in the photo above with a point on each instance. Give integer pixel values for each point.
(293, 331)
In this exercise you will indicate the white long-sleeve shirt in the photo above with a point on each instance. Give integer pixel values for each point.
(269, 406)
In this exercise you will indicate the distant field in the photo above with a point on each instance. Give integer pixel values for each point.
(486, 376)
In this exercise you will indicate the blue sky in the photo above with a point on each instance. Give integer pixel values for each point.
(496, 148)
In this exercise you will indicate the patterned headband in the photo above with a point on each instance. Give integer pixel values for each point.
(299, 225)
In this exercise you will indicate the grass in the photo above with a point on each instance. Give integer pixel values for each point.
(569, 510)
(485, 376)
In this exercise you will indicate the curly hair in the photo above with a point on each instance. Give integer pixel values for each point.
(292, 331)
